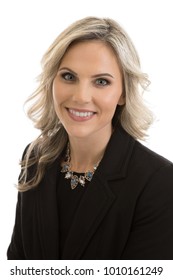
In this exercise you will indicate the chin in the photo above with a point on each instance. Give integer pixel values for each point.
(79, 133)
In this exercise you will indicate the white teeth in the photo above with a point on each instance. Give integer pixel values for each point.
(81, 114)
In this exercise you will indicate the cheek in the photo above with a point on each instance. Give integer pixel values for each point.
(108, 104)
(110, 100)
(58, 94)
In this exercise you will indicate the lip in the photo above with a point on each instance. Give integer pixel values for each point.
(80, 110)
(74, 114)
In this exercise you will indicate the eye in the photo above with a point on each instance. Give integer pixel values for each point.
(68, 76)
(102, 82)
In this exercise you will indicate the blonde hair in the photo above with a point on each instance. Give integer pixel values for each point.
(134, 116)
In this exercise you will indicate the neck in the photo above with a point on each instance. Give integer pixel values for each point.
(86, 153)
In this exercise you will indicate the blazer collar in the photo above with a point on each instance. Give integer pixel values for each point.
(117, 155)
(99, 197)
(93, 206)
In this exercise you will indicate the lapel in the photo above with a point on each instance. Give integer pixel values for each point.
(94, 205)
(99, 197)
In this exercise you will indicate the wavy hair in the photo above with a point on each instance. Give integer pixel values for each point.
(134, 116)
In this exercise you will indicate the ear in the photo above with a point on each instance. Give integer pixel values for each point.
(121, 100)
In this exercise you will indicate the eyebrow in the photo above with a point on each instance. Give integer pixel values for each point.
(93, 76)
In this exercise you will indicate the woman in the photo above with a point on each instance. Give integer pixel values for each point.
(88, 189)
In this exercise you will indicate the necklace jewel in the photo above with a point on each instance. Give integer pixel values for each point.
(68, 175)
(89, 175)
(75, 179)
(82, 181)
(65, 168)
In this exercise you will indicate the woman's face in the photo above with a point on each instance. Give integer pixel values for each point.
(87, 89)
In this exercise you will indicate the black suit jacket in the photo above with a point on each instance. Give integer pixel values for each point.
(125, 213)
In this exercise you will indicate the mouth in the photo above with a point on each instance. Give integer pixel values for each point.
(80, 115)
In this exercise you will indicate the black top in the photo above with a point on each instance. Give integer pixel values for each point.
(125, 213)
(68, 201)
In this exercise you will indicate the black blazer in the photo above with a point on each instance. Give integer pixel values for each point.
(125, 213)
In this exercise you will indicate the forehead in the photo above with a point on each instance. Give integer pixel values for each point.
(93, 53)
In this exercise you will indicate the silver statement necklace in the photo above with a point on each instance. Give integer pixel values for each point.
(69, 174)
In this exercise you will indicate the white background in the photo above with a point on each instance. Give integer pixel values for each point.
(27, 28)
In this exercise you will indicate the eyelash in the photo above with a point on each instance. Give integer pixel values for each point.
(106, 82)
(64, 76)
(68, 74)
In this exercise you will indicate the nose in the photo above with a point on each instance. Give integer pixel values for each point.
(82, 94)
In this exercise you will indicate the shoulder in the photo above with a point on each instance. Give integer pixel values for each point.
(153, 177)
(150, 159)
(158, 188)
(156, 170)
(30, 148)
(151, 170)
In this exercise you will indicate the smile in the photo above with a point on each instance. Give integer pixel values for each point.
(80, 115)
